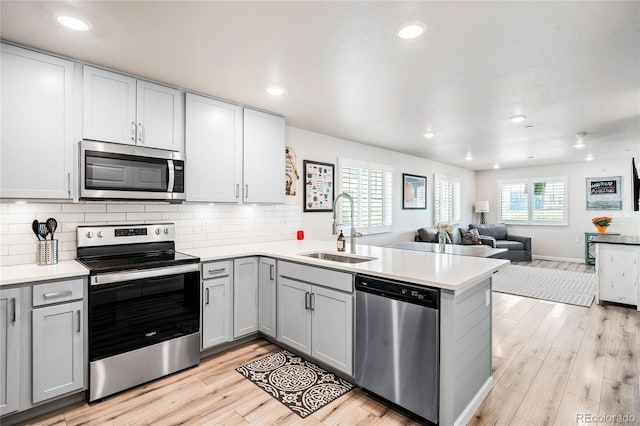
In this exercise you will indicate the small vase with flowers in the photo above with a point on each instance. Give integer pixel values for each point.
(602, 223)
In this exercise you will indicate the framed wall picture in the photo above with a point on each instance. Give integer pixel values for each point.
(414, 192)
(604, 193)
(318, 186)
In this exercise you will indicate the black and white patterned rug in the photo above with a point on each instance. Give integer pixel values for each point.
(300, 385)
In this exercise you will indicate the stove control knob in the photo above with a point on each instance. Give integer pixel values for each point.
(89, 234)
(158, 231)
(166, 231)
(100, 234)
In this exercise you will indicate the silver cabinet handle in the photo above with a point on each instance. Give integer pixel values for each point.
(69, 184)
(140, 133)
(217, 271)
(13, 305)
(133, 131)
(271, 268)
(79, 320)
(246, 190)
(312, 301)
(58, 294)
(237, 190)
(206, 293)
(306, 300)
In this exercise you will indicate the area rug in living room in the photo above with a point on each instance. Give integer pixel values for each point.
(300, 385)
(574, 288)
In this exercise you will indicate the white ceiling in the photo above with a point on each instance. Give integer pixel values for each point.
(568, 66)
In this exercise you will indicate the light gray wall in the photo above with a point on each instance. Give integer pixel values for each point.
(318, 147)
(567, 242)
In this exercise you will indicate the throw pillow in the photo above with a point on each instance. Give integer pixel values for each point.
(470, 237)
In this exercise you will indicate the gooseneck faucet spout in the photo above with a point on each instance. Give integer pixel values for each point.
(335, 225)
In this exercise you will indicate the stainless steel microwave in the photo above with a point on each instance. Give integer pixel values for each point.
(110, 171)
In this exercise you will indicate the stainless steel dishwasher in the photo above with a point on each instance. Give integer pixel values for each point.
(397, 343)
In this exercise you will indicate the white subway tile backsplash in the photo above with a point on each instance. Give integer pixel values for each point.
(197, 225)
(125, 208)
(84, 208)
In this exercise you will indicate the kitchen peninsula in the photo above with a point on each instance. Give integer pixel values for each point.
(464, 283)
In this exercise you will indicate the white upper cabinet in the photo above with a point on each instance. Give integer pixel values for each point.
(213, 136)
(121, 109)
(109, 106)
(36, 138)
(263, 157)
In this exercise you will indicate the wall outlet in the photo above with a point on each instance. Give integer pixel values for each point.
(205, 225)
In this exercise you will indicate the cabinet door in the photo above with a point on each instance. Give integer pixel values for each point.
(216, 311)
(332, 326)
(9, 350)
(160, 116)
(109, 106)
(245, 296)
(263, 152)
(267, 295)
(57, 350)
(618, 273)
(36, 138)
(294, 316)
(213, 143)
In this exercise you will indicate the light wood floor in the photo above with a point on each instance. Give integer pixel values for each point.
(551, 363)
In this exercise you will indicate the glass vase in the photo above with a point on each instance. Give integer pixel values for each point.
(442, 240)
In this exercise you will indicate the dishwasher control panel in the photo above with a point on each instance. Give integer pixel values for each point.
(398, 290)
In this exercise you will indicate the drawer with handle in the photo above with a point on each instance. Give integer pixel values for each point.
(216, 269)
(58, 291)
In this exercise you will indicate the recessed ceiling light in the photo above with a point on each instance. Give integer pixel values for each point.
(518, 118)
(411, 30)
(580, 140)
(530, 157)
(72, 23)
(275, 90)
(430, 134)
(589, 157)
(496, 166)
(529, 127)
(468, 157)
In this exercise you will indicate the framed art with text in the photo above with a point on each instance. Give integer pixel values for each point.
(414, 192)
(318, 186)
(604, 193)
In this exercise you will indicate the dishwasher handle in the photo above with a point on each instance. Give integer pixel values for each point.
(410, 293)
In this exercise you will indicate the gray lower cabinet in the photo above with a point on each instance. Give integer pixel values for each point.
(267, 297)
(57, 338)
(245, 296)
(216, 303)
(58, 348)
(314, 319)
(10, 329)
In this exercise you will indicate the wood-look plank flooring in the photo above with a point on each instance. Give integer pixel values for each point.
(552, 363)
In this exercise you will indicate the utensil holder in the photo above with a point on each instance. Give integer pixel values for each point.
(47, 253)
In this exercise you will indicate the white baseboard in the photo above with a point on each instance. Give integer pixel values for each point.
(559, 259)
(474, 404)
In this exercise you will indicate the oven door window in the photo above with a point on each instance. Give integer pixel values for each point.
(108, 171)
(133, 314)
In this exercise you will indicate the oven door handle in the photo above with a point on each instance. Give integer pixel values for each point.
(115, 277)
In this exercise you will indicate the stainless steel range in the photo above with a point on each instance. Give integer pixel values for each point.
(143, 305)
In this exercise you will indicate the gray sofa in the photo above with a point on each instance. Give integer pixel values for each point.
(496, 236)
(518, 248)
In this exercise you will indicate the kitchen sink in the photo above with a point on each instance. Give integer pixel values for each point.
(338, 257)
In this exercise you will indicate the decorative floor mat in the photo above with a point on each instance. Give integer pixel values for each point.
(300, 385)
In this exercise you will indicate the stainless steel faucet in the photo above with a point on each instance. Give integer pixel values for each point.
(354, 234)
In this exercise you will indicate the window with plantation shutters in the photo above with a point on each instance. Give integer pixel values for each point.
(370, 185)
(537, 201)
(446, 199)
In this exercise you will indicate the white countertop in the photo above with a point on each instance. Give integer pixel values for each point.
(457, 273)
(451, 272)
(18, 274)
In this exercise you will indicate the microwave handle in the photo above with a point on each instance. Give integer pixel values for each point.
(172, 175)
